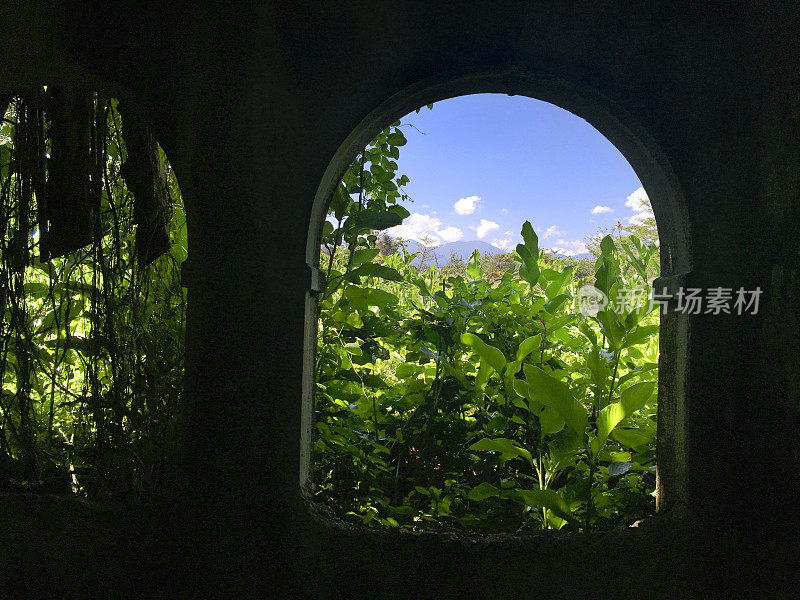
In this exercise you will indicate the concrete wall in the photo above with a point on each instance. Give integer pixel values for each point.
(259, 108)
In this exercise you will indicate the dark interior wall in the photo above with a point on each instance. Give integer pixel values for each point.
(251, 105)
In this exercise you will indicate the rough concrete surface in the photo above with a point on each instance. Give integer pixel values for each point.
(259, 107)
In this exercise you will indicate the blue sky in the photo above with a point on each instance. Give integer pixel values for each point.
(481, 165)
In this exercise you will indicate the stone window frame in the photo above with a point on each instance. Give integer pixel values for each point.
(658, 179)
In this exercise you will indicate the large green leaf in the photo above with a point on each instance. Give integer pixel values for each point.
(504, 446)
(549, 499)
(607, 247)
(631, 399)
(528, 345)
(371, 380)
(482, 491)
(611, 327)
(35, 289)
(552, 305)
(639, 335)
(400, 210)
(529, 254)
(5, 159)
(636, 396)
(638, 264)
(632, 437)
(356, 296)
(363, 255)
(381, 298)
(558, 281)
(374, 270)
(339, 203)
(509, 377)
(474, 271)
(482, 376)
(637, 372)
(372, 219)
(490, 354)
(531, 239)
(598, 367)
(607, 266)
(353, 348)
(550, 421)
(521, 387)
(529, 269)
(396, 138)
(557, 394)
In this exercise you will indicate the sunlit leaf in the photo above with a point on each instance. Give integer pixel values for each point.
(490, 354)
(557, 394)
(631, 399)
(504, 446)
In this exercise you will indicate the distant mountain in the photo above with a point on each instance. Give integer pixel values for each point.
(463, 249)
(577, 257)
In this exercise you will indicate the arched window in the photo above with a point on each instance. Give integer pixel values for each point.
(489, 393)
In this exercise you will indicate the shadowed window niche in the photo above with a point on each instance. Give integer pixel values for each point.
(509, 386)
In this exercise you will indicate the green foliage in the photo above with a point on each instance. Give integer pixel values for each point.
(492, 266)
(91, 347)
(458, 400)
(641, 235)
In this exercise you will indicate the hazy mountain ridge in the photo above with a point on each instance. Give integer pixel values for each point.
(464, 250)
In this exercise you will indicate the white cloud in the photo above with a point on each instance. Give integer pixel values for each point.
(639, 218)
(509, 232)
(569, 248)
(637, 200)
(639, 203)
(450, 234)
(504, 211)
(467, 206)
(418, 227)
(484, 228)
(598, 210)
(504, 244)
(551, 231)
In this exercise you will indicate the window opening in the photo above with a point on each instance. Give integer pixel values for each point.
(91, 347)
(499, 385)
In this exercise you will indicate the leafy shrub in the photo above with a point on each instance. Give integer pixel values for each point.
(489, 404)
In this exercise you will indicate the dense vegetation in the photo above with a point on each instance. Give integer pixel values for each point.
(91, 346)
(475, 396)
(452, 399)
